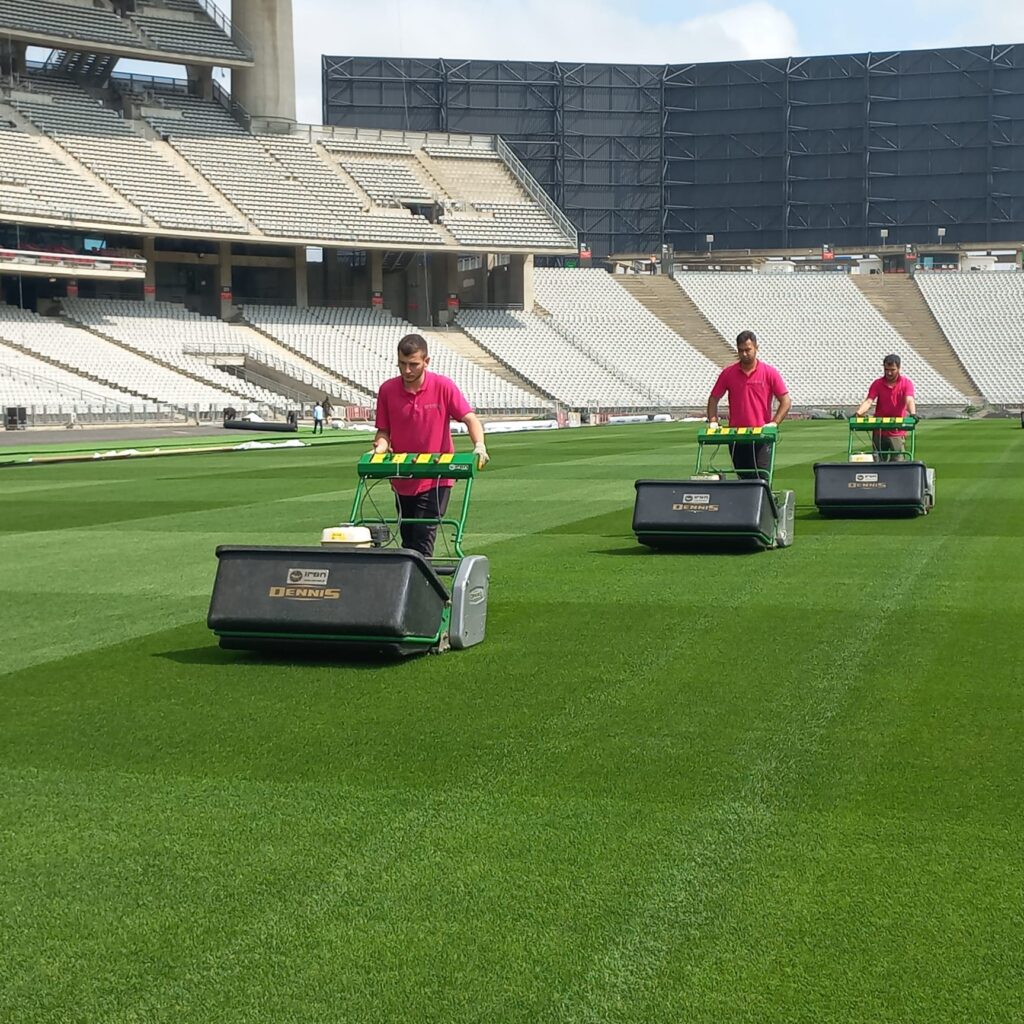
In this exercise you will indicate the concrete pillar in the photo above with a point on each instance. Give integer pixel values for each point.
(376, 270)
(268, 89)
(149, 283)
(526, 270)
(12, 57)
(332, 277)
(376, 260)
(200, 82)
(301, 280)
(224, 269)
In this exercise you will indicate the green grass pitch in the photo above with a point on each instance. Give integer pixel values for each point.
(783, 787)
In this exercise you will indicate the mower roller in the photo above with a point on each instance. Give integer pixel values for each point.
(360, 591)
(875, 481)
(718, 507)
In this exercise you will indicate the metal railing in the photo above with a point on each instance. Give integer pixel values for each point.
(223, 22)
(39, 380)
(539, 196)
(232, 106)
(237, 348)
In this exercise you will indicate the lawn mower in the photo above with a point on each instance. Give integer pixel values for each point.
(717, 508)
(360, 591)
(874, 481)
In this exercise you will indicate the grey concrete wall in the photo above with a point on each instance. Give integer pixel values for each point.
(268, 89)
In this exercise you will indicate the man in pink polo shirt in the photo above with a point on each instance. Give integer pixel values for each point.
(414, 414)
(751, 385)
(892, 395)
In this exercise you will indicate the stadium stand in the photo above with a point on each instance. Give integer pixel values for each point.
(475, 175)
(180, 26)
(181, 163)
(360, 345)
(98, 366)
(598, 315)
(552, 363)
(162, 331)
(818, 330)
(70, 21)
(36, 183)
(281, 185)
(26, 380)
(387, 182)
(108, 146)
(981, 314)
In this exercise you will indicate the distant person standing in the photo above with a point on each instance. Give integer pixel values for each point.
(328, 409)
(892, 394)
(751, 387)
(414, 414)
(318, 418)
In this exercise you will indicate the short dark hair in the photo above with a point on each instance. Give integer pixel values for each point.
(411, 344)
(745, 336)
(891, 358)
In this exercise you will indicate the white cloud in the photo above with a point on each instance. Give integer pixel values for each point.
(974, 24)
(570, 30)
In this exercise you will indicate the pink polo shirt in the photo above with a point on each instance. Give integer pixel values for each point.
(891, 400)
(750, 395)
(420, 421)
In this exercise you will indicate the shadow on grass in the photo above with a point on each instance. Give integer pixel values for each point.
(213, 655)
(697, 547)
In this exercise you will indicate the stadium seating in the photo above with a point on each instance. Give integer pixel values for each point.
(315, 185)
(36, 183)
(600, 317)
(163, 331)
(551, 362)
(182, 26)
(386, 182)
(171, 26)
(71, 21)
(360, 345)
(274, 199)
(281, 189)
(97, 366)
(818, 330)
(26, 380)
(108, 145)
(981, 314)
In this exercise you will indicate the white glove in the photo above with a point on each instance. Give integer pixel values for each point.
(480, 451)
(375, 450)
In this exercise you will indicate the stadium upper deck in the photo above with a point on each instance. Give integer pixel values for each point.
(189, 31)
(166, 162)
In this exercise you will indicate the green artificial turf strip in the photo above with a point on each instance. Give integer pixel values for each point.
(84, 446)
(776, 787)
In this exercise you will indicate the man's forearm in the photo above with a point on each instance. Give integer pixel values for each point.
(474, 428)
(785, 404)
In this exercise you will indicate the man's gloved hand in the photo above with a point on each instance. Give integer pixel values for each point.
(480, 451)
(379, 447)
